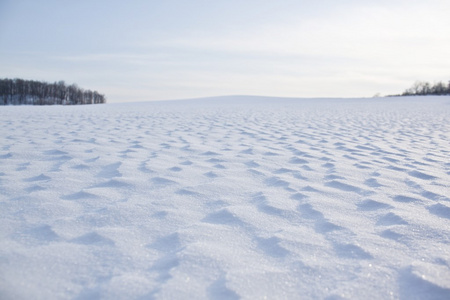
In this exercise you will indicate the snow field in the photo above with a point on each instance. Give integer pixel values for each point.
(227, 198)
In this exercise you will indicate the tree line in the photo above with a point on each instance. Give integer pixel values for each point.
(422, 88)
(30, 92)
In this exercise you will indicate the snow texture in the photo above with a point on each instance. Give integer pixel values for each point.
(227, 198)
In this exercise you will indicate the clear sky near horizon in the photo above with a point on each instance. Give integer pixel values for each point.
(156, 50)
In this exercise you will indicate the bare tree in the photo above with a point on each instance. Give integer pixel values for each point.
(425, 88)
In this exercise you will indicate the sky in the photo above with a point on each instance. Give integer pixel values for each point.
(157, 50)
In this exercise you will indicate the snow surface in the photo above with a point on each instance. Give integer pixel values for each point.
(227, 198)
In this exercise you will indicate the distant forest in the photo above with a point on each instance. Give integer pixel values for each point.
(422, 88)
(30, 92)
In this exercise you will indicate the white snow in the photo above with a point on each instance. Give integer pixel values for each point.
(227, 198)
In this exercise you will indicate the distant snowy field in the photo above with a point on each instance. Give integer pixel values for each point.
(227, 198)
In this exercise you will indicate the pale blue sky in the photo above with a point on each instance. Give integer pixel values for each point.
(155, 50)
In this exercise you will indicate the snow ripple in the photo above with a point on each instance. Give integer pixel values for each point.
(227, 198)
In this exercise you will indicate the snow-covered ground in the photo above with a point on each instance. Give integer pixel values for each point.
(227, 198)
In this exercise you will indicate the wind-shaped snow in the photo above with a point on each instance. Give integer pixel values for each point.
(227, 198)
